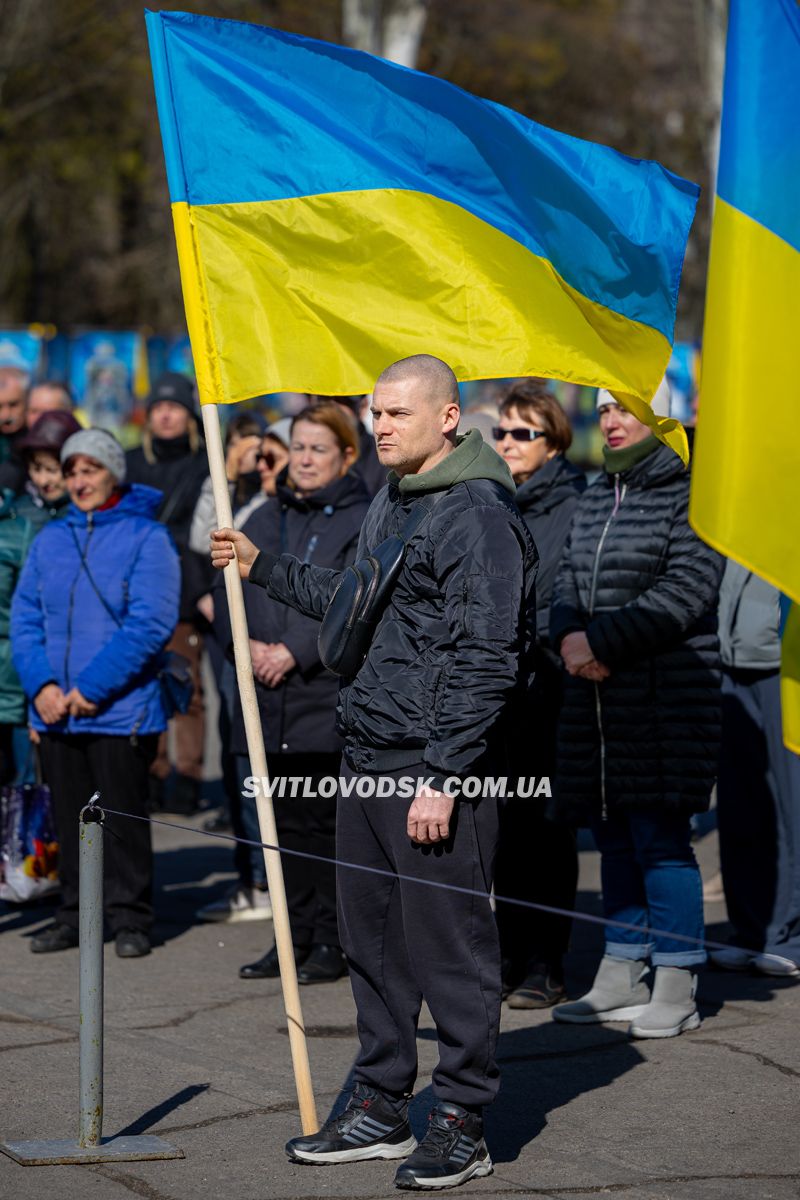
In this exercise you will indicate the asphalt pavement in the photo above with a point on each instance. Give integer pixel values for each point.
(201, 1058)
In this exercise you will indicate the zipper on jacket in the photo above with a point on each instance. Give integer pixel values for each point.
(71, 605)
(618, 499)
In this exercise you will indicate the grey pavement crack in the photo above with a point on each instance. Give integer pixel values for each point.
(13, 1019)
(73, 1037)
(261, 1111)
(553, 1193)
(139, 1187)
(173, 1022)
(655, 1180)
(762, 1058)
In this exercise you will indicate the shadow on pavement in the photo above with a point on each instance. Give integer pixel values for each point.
(156, 1114)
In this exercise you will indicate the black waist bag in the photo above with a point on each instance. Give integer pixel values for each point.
(361, 596)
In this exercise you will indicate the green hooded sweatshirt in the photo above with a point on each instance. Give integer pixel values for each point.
(471, 459)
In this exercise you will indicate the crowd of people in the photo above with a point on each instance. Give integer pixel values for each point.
(543, 625)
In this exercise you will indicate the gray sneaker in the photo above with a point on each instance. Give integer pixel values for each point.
(242, 904)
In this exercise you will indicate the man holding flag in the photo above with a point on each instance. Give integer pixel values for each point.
(333, 210)
(449, 651)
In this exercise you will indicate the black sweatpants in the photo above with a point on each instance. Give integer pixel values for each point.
(74, 766)
(537, 861)
(406, 941)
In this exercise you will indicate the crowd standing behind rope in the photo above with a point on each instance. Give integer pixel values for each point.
(622, 703)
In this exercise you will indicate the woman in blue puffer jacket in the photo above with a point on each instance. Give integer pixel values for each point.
(96, 604)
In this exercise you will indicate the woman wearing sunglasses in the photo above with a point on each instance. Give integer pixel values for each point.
(537, 859)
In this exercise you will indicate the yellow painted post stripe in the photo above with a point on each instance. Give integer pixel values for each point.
(320, 293)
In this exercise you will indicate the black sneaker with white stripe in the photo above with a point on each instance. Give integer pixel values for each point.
(452, 1151)
(369, 1127)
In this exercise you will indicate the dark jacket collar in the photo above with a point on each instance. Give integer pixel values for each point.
(339, 494)
(548, 486)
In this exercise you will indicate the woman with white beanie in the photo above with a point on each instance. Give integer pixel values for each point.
(634, 617)
(96, 603)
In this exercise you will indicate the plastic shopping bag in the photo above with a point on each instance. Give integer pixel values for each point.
(28, 843)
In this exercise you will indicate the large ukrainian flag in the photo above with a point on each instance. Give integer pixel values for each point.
(746, 478)
(334, 212)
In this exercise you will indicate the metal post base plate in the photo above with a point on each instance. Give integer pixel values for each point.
(45, 1152)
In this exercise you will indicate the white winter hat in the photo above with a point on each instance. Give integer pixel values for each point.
(662, 401)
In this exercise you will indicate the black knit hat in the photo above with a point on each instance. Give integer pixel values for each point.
(174, 387)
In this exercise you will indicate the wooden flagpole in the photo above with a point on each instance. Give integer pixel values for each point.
(258, 767)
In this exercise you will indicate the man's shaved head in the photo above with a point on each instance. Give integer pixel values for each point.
(415, 413)
(437, 379)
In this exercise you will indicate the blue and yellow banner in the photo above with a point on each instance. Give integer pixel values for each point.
(746, 478)
(334, 212)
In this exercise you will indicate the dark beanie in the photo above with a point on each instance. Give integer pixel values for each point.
(48, 432)
(174, 387)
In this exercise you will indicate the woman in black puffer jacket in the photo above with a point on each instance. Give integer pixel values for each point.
(634, 616)
(537, 859)
(316, 515)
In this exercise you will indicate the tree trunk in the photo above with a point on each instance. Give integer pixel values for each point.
(391, 29)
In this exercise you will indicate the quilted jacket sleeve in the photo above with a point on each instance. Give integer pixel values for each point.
(566, 614)
(686, 590)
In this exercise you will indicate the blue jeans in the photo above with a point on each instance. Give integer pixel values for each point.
(248, 860)
(650, 878)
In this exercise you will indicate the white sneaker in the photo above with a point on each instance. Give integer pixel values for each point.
(731, 959)
(775, 964)
(242, 904)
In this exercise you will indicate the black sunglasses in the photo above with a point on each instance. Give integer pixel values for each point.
(520, 434)
(269, 459)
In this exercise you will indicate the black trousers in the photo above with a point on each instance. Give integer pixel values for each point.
(406, 941)
(75, 766)
(306, 823)
(537, 861)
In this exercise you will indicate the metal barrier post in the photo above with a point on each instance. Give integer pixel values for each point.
(90, 1120)
(90, 1146)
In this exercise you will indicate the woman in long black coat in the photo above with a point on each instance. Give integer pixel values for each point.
(316, 515)
(634, 617)
(537, 859)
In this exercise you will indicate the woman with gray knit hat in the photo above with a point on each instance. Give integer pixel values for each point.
(96, 603)
(633, 615)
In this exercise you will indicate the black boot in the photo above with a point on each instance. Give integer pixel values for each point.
(267, 966)
(54, 937)
(325, 964)
(131, 943)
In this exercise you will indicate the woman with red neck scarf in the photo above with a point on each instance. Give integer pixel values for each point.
(96, 604)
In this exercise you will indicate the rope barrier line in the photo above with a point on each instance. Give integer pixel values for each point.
(448, 887)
